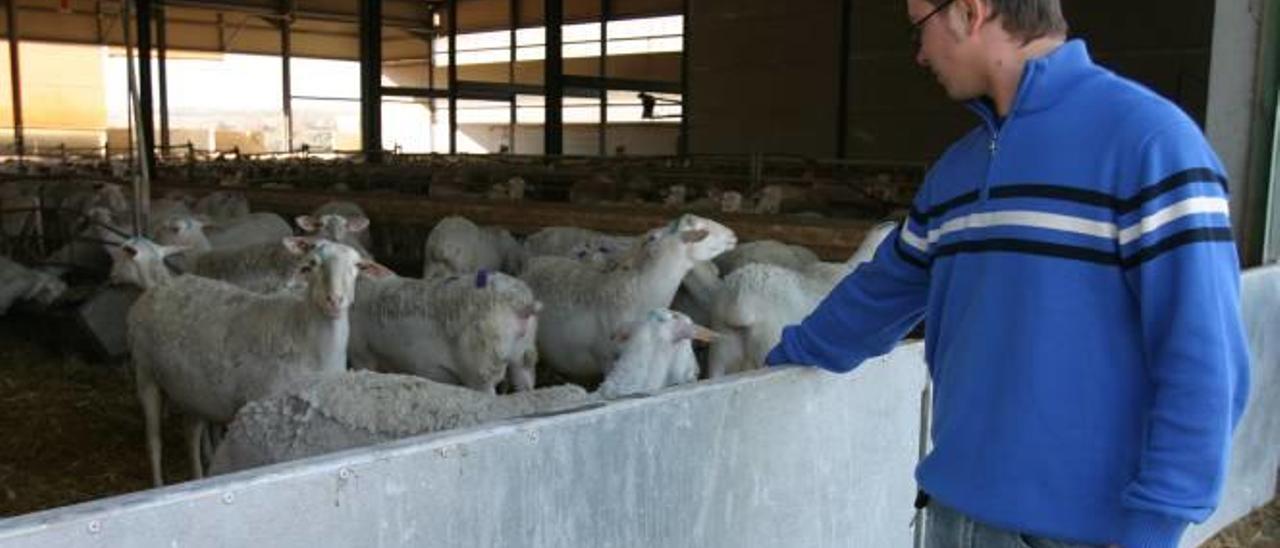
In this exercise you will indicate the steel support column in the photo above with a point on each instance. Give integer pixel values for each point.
(453, 76)
(514, 10)
(15, 76)
(682, 143)
(431, 80)
(146, 106)
(286, 78)
(553, 80)
(606, 13)
(842, 91)
(371, 80)
(162, 48)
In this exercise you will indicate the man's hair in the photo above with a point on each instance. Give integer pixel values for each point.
(1027, 19)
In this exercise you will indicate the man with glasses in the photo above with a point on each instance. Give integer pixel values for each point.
(1073, 261)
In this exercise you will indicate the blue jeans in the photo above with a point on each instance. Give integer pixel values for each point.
(947, 528)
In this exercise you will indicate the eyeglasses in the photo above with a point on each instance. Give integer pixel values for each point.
(917, 27)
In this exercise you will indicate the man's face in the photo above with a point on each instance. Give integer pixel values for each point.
(944, 47)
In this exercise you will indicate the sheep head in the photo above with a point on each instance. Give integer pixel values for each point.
(183, 229)
(140, 262)
(46, 289)
(332, 227)
(653, 352)
(330, 270)
(702, 239)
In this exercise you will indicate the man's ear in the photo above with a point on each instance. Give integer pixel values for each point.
(973, 14)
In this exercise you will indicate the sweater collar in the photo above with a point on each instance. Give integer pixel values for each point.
(1045, 81)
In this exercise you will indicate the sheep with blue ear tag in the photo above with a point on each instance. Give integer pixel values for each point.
(584, 306)
(475, 329)
(210, 347)
(362, 408)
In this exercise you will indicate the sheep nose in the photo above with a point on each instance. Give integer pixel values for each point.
(333, 301)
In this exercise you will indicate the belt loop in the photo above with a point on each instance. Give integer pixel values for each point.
(922, 499)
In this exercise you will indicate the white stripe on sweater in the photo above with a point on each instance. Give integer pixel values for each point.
(1072, 224)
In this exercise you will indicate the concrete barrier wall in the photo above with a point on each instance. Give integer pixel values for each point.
(773, 458)
(797, 457)
(1255, 458)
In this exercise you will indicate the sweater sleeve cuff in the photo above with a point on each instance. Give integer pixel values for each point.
(776, 357)
(1152, 530)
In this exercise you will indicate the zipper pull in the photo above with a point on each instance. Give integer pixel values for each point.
(992, 147)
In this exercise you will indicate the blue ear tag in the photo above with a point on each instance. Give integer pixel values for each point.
(482, 278)
(655, 315)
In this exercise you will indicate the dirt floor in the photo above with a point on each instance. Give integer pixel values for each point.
(73, 432)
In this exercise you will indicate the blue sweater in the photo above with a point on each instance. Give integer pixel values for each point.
(1075, 267)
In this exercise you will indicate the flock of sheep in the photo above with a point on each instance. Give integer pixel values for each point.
(303, 344)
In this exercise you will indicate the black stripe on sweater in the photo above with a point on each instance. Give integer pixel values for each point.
(1031, 247)
(1101, 199)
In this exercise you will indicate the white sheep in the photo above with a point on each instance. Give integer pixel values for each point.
(261, 268)
(212, 347)
(449, 182)
(773, 199)
(676, 196)
(755, 302)
(202, 234)
(717, 200)
(472, 330)
(20, 213)
(363, 408)
(697, 292)
(249, 229)
(511, 190)
(583, 304)
(731, 201)
(342, 222)
(595, 189)
(164, 209)
(773, 252)
(653, 352)
(19, 283)
(73, 198)
(223, 205)
(89, 249)
(458, 246)
(140, 262)
(567, 241)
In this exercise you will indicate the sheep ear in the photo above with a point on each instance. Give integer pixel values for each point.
(621, 335)
(299, 246)
(529, 311)
(307, 223)
(167, 250)
(374, 270)
(122, 252)
(356, 224)
(703, 334)
(203, 220)
(694, 236)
